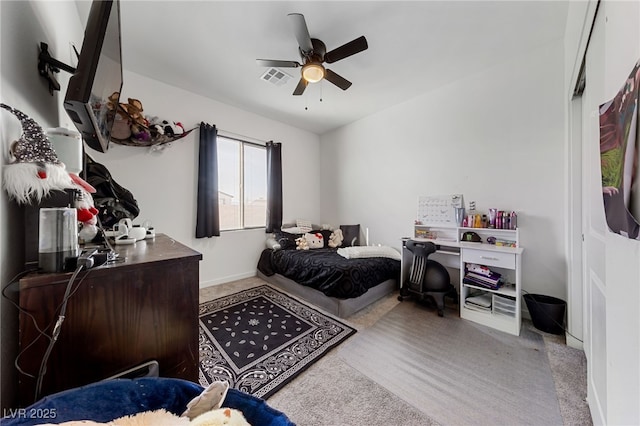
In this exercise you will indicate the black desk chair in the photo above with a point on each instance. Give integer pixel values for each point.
(427, 277)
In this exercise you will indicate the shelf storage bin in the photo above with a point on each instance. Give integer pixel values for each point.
(504, 305)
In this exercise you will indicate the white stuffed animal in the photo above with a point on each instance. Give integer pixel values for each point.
(203, 410)
(210, 398)
(156, 126)
(171, 128)
(335, 239)
(216, 417)
(315, 240)
(301, 243)
(310, 240)
(221, 416)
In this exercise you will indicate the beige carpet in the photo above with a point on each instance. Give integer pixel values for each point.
(569, 367)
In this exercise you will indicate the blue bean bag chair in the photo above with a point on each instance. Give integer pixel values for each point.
(108, 400)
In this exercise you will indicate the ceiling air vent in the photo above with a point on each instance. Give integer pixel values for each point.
(275, 76)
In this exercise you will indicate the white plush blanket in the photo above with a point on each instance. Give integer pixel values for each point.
(358, 252)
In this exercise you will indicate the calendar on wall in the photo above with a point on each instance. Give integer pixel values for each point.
(439, 209)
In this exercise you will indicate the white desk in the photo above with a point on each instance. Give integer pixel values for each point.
(505, 313)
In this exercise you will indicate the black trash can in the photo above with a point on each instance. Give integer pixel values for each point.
(547, 313)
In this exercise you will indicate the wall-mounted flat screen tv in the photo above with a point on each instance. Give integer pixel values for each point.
(94, 89)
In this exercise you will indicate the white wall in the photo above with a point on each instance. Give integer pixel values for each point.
(497, 137)
(23, 25)
(165, 183)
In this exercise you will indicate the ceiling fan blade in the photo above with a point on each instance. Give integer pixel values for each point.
(346, 50)
(302, 84)
(276, 63)
(336, 79)
(301, 32)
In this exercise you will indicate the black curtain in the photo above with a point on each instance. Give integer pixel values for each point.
(274, 186)
(208, 217)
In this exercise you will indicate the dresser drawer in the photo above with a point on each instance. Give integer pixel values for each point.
(489, 258)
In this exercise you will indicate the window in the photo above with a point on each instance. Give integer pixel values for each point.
(242, 184)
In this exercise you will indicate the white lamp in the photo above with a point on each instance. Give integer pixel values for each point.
(68, 146)
(313, 72)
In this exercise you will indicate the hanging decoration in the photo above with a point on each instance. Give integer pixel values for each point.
(131, 127)
(619, 147)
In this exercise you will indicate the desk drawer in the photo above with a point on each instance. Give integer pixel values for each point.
(489, 258)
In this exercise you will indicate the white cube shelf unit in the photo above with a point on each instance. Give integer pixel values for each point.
(505, 311)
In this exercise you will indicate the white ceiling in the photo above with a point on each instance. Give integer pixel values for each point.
(210, 48)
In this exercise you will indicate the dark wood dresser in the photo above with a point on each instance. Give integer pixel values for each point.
(142, 307)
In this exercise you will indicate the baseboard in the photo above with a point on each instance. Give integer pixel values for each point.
(227, 279)
(573, 342)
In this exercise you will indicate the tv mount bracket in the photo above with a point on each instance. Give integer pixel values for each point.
(48, 66)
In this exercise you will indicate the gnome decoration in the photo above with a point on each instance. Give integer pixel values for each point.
(34, 168)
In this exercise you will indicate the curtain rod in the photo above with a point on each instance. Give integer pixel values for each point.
(242, 138)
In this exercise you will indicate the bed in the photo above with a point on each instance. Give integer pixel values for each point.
(339, 280)
(110, 399)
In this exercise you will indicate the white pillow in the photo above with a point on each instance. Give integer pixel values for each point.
(359, 252)
(304, 224)
(295, 230)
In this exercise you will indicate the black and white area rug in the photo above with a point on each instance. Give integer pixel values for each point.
(260, 339)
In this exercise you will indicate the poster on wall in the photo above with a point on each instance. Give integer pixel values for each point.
(619, 143)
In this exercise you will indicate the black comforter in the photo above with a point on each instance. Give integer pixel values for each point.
(327, 271)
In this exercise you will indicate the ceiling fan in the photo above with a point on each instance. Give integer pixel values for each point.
(314, 53)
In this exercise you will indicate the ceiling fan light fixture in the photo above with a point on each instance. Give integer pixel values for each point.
(313, 72)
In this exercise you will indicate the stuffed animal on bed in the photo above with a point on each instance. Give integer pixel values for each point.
(335, 239)
(301, 243)
(310, 240)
